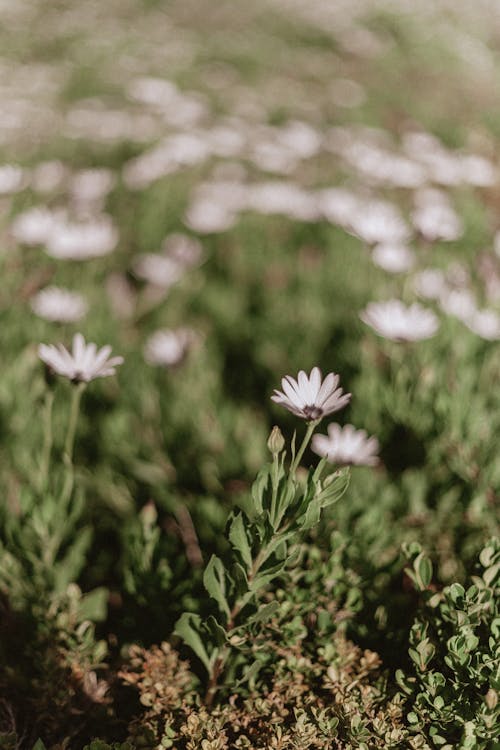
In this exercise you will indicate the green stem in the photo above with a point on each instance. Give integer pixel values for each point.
(310, 429)
(275, 483)
(47, 439)
(70, 441)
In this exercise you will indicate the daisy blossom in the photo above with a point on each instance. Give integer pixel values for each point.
(394, 320)
(59, 305)
(346, 445)
(309, 396)
(84, 363)
(167, 348)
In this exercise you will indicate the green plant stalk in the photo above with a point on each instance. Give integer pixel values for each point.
(70, 442)
(47, 440)
(311, 426)
(220, 662)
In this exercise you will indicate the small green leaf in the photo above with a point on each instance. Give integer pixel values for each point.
(423, 570)
(239, 539)
(214, 580)
(263, 613)
(39, 745)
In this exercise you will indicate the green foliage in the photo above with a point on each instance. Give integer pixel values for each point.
(452, 691)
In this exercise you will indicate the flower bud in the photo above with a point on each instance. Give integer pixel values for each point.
(491, 699)
(276, 441)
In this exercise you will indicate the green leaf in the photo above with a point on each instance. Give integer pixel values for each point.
(334, 487)
(94, 605)
(188, 627)
(216, 630)
(39, 745)
(263, 613)
(423, 570)
(214, 580)
(239, 539)
(259, 488)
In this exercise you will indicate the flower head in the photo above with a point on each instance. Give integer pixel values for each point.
(309, 397)
(84, 363)
(394, 320)
(346, 445)
(168, 348)
(59, 305)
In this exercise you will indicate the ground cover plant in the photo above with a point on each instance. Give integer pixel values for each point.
(249, 394)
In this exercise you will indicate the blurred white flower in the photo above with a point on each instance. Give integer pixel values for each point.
(84, 363)
(168, 347)
(394, 320)
(157, 92)
(379, 222)
(91, 186)
(393, 258)
(435, 218)
(460, 303)
(338, 205)
(12, 179)
(208, 216)
(159, 270)
(59, 305)
(286, 198)
(478, 171)
(34, 226)
(430, 283)
(309, 396)
(485, 323)
(346, 445)
(301, 138)
(82, 240)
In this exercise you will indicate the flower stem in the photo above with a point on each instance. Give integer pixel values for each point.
(296, 461)
(47, 439)
(70, 441)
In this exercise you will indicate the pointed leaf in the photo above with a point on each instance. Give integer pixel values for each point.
(214, 580)
(239, 539)
(188, 627)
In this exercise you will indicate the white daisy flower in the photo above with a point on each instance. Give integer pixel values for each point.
(12, 179)
(309, 397)
(393, 258)
(84, 363)
(379, 221)
(209, 217)
(430, 283)
(82, 240)
(460, 303)
(91, 186)
(485, 323)
(34, 226)
(158, 269)
(346, 445)
(394, 320)
(59, 305)
(435, 218)
(168, 347)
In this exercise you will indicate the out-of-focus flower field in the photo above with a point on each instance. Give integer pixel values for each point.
(222, 195)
